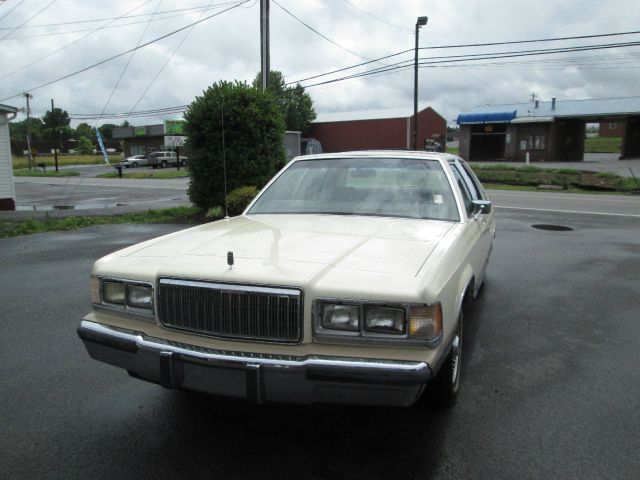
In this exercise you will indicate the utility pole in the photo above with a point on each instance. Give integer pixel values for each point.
(55, 135)
(264, 43)
(419, 23)
(28, 96)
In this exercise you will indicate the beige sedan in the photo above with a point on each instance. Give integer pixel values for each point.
(344, 281)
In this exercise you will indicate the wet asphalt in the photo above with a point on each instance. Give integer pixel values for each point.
(550, 388)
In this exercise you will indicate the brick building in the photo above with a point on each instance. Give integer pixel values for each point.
(611, 129)
(377, 129)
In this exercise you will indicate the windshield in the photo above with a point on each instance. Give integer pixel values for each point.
(390, 187)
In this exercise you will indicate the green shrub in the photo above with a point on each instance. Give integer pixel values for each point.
(238, 199)
(215, 213)
(253, 140)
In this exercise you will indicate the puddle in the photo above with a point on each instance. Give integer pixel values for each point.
(83, 206)
(553, 228)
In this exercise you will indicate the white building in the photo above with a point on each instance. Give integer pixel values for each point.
(7, 190)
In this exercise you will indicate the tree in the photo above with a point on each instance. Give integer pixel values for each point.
(18, 130)
(253, 141)
(60, 119)
(106, 130)
(85, 147)
(84, 130)
(125, 124)
(296, 105)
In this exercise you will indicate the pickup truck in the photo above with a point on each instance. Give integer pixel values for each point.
(166, 159)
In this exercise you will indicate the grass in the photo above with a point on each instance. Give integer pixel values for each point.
(453, 150)
(602, 144)
(568, 178)
(158, 174)
(23, 162)
(189, 215)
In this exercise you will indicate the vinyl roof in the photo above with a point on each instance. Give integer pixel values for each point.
(597, 107)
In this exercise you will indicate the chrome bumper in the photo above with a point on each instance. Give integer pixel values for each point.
(257, 377)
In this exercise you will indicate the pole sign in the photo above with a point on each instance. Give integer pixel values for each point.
(139, 131)
(102, 149)
(174, 140)
(174, 127)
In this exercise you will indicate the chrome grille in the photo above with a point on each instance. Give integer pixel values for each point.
(246, 312)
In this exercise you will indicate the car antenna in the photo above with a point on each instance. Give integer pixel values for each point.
(224, 163)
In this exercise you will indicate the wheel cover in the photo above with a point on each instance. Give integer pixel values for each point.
(456, 357)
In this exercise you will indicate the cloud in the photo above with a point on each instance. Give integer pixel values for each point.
(227, 47)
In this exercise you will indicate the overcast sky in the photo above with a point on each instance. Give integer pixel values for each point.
(227, 47)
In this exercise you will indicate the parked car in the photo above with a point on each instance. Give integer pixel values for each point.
(345, 281)
(165, 159)
(135, 161)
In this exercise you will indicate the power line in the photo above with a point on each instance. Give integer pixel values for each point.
(38, 60)
(162, 37)
(153, 80)
(378, 18)
(539, 40)
(513, 42)
(320, 34)
(11, 9)
(473, 57)
(119, 25)
(75, 22)
(438, 61)
(115, 87)
(39, 12)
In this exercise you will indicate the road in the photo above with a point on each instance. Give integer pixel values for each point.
(123, 195)
(550, 387)
(567, 203)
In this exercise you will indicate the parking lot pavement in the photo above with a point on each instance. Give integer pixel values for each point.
(64, 196)
(550, 385)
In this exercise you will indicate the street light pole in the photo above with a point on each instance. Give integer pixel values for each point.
(264, 43)
(419, 23)
(28, 96)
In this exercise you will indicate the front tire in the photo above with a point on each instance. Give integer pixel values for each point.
(443, 390)
(134, 165)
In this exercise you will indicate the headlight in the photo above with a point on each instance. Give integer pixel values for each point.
(130, 296)
(113, 292)
(139, 296)
(385, 320)
(377, 323)
(341, 317)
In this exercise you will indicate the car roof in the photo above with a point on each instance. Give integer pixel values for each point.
(380, 154)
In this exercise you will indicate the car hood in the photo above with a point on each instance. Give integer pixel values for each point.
(294, 248)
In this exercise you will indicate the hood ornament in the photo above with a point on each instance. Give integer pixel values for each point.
(230, 260)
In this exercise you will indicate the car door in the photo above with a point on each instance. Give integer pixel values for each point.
(482, 226)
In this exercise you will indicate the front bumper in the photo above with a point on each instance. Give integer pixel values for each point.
(255, 377)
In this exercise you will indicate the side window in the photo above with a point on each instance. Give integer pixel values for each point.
(475, 183)
(464, 189)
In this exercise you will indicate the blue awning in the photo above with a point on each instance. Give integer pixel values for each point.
(486, 117)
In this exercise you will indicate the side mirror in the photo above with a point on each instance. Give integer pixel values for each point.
(480, 207)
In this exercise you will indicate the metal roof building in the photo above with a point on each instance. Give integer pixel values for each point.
(552, 131)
